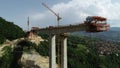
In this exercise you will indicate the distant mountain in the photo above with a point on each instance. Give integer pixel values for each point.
(115, 29)
(112, 35)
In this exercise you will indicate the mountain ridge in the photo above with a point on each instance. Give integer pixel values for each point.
(112, 35)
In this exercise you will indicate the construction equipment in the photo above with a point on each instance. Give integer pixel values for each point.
(96, 24)
(58, 31)
(57, 15)
(92, 24)
(28, 23)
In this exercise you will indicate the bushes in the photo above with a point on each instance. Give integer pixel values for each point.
(43, 48)
(82, 57)
(2, 39)
(6, 59)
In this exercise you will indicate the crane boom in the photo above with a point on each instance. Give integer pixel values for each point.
(58, 17)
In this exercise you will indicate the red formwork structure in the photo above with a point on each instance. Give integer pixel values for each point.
(96, 24)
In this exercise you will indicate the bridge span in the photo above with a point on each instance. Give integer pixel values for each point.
(62, 29)
(61, 32)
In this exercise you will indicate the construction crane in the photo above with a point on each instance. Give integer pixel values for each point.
(58, 31)
(57, 15)
(28, 23)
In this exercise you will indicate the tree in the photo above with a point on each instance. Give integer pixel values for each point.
(43, 48)
(6, 58)
(2, 39)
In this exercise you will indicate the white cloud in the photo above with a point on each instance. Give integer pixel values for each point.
(37, 16)
(77, 10)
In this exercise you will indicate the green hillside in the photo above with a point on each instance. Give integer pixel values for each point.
(87, 52)
(8, 30)
(112, 35)
(83, 52)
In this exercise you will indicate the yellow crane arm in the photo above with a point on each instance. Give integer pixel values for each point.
(58, 17)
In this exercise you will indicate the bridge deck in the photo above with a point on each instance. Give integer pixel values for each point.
(62, 29)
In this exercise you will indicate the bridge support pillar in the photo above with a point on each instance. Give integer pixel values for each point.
(64, 52)
(52, 54)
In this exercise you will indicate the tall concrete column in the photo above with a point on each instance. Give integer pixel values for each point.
(52, 54)
(64, 52)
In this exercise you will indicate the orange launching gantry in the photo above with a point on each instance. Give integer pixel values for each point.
(96, 24)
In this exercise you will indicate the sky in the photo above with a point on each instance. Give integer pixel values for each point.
(71, 11)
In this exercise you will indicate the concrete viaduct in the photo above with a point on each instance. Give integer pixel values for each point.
(62, 31)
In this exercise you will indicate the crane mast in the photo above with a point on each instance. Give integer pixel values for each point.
(28, 23)
(58, 31)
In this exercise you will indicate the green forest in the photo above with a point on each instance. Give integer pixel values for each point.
(83, 52)
(10, 31)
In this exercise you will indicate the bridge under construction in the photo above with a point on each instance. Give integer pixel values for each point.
(58, 36)
(61, 32)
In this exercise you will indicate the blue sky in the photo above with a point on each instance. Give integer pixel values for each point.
(71, 11)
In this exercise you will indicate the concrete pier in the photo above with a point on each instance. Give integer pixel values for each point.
(64, 52)
(52, 54)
